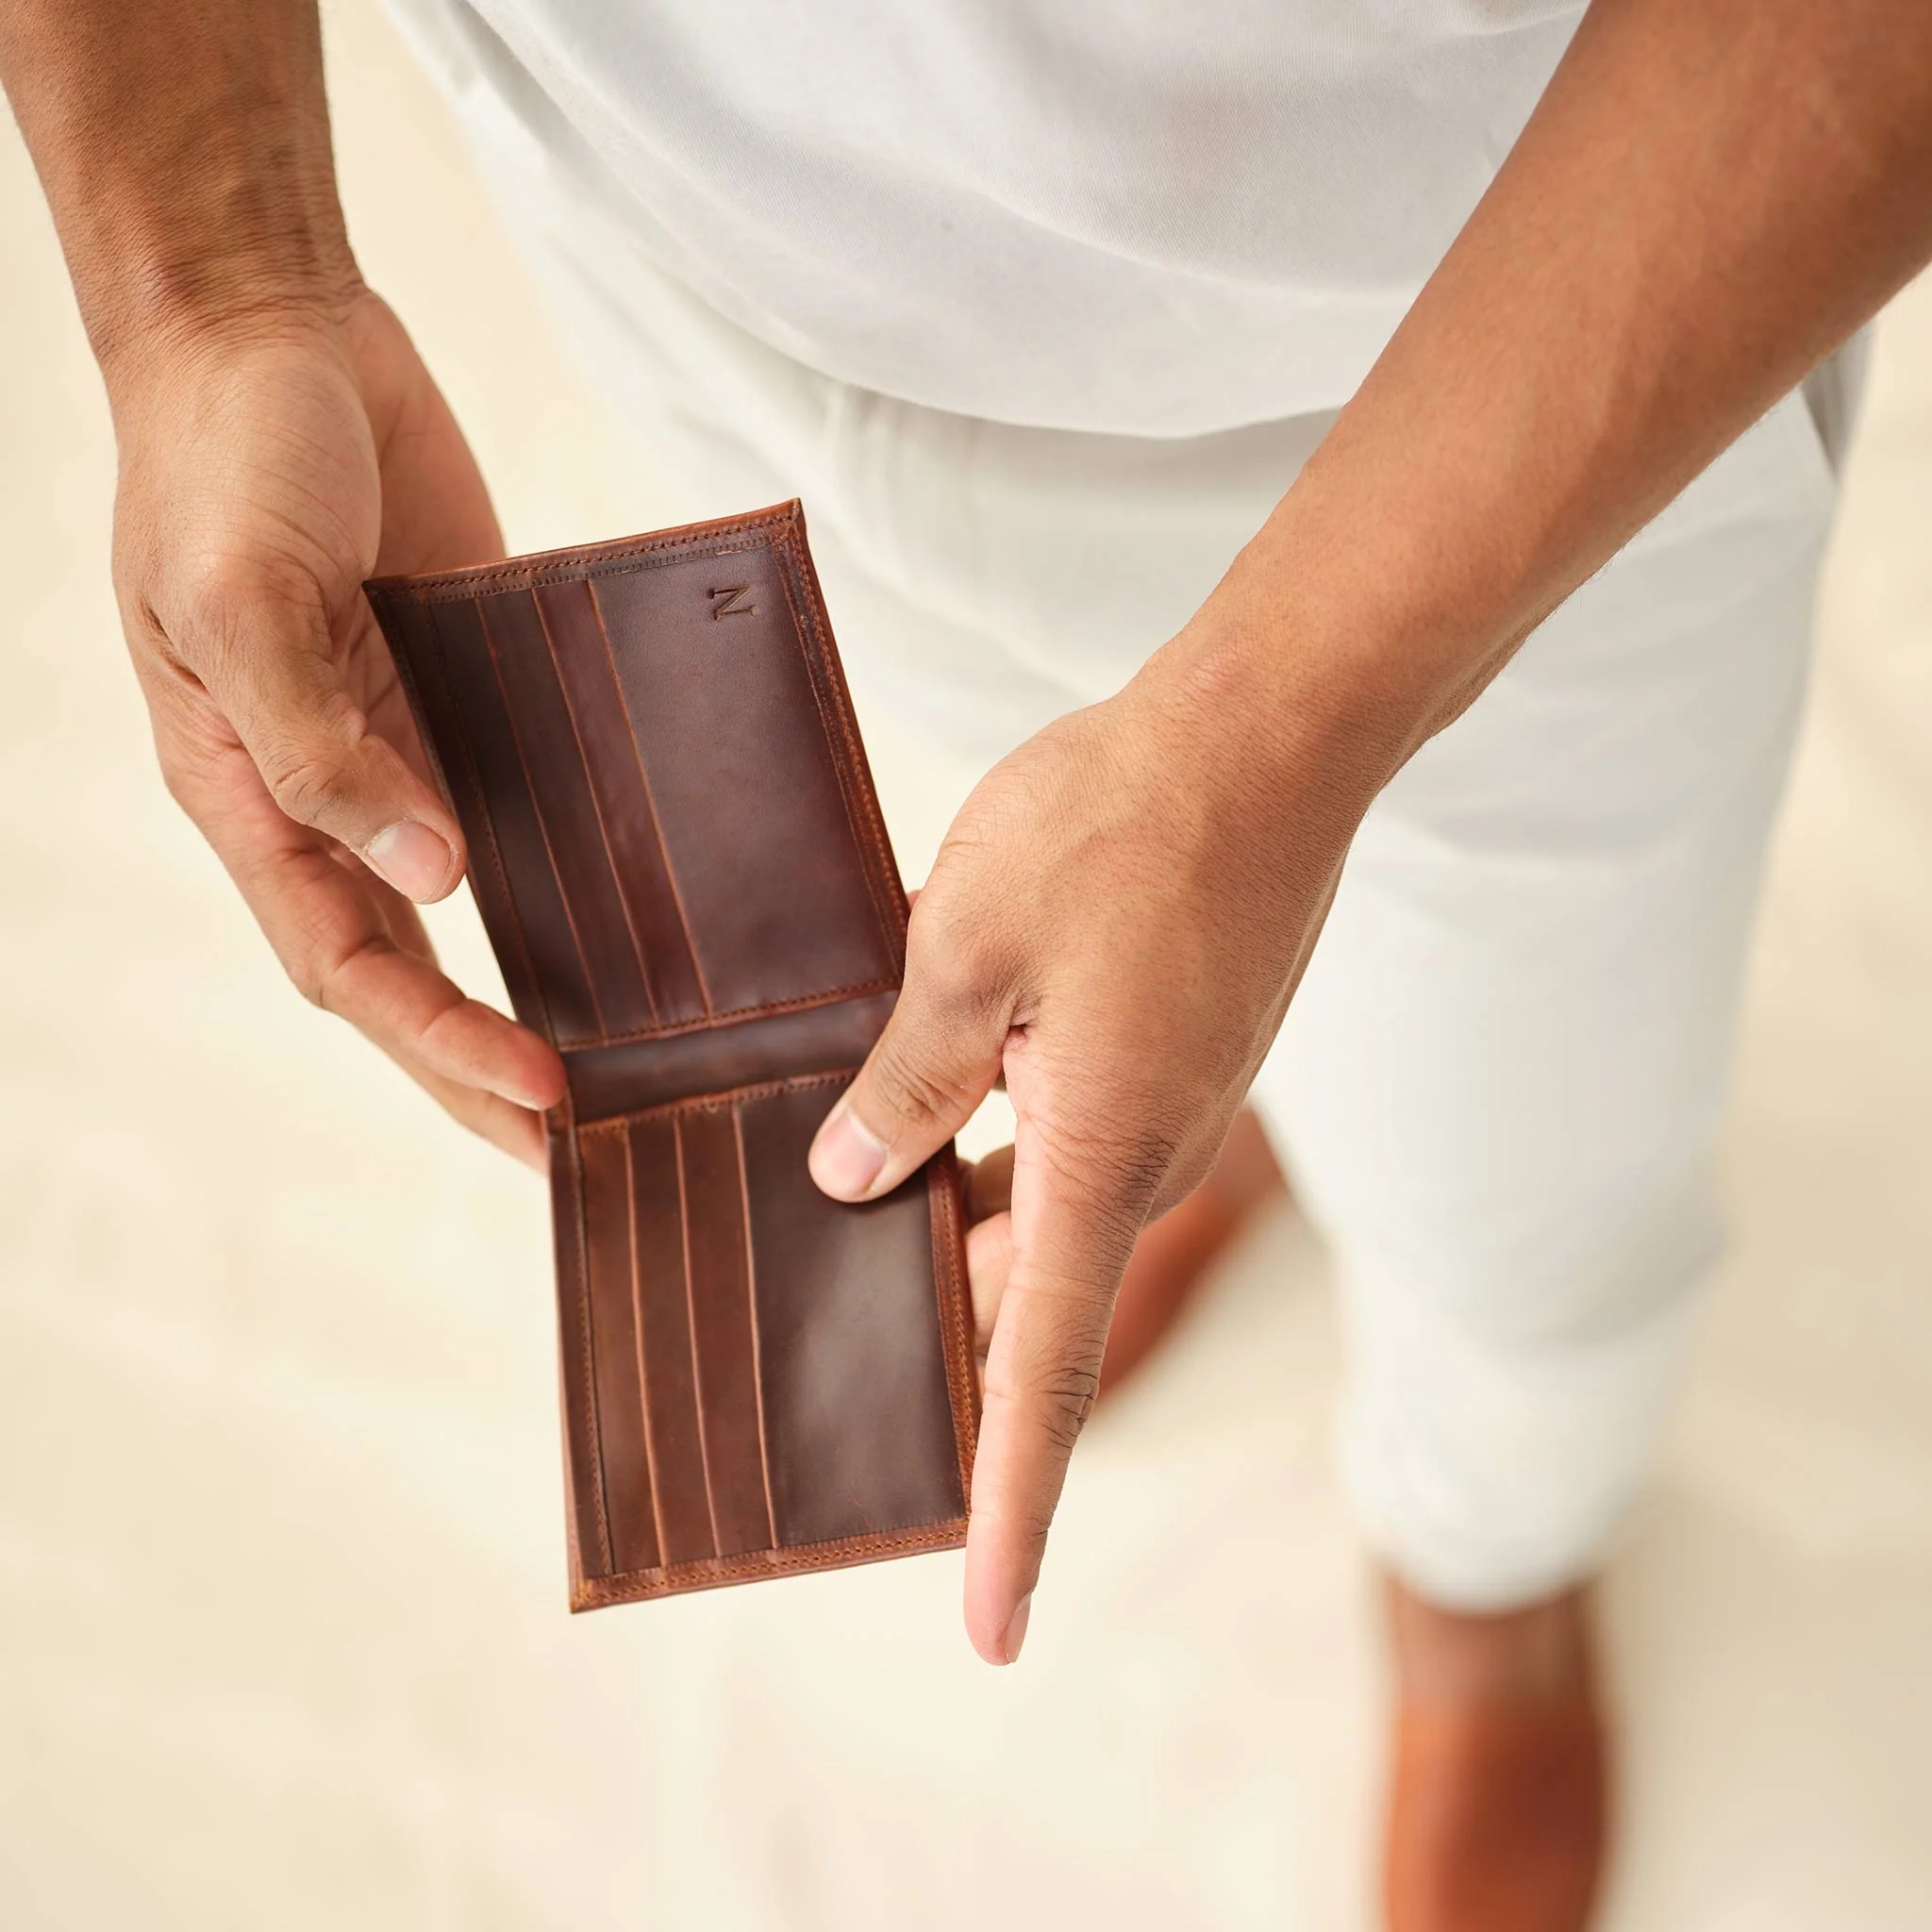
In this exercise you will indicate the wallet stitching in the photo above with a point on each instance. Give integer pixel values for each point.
(956, 1316)
(713, 1103)
(628, 1585)
(406, 676)
(831, 997)
(690, 1323)
(944, 1198)
(838, 737)
(751, 1296)
(575, 565)
(588, 1355)
(855, 768)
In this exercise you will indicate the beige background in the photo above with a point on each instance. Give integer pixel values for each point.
(282, 1637)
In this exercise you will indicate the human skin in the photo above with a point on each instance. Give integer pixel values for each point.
(1710, 196)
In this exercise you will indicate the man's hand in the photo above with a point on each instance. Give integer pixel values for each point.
(1115, 923)
(1709, 197)
(265, 471)
(279, 441)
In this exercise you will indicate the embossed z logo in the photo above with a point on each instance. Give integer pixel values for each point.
(734, 604)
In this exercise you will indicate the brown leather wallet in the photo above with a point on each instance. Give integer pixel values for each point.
(680, 862)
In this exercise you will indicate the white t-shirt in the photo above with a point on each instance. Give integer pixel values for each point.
(1151, 217)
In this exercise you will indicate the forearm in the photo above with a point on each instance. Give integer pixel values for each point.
(184, 147)
(1711, 195)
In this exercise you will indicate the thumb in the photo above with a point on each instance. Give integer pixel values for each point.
(276, 680)
(935, 1062)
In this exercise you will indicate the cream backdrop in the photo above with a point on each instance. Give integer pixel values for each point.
(282, 1636)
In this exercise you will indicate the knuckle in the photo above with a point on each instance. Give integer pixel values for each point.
(321, 976)
(225, 608)
(957, 955)
(310, 974)
(1139, 1165)
(217, 582)
(306, 783)
(1113, 1172)
(309, 977)
(1063, 1400)
(1052, 1377)
(916, 1090)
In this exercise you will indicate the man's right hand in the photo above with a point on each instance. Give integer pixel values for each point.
(267, 468)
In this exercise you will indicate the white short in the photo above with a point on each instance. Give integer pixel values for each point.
(1498, 1086)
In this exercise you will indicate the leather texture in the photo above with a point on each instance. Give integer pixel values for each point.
(681, 864)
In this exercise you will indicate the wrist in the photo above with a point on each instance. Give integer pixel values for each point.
(184, 146)
(1344, 632)
(275, 267)
(1281, 690)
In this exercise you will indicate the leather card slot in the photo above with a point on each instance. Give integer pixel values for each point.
(623, 1456)
(666, 1365)
(725, 1343)
(587, 669)
(588, 1526)
(560, 791)
(411, 632)
(519, 837)
(609, 1080)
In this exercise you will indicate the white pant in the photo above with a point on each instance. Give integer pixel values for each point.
(1498, 1086)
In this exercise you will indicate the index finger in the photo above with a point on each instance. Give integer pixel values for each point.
(1072, 1234)
(335, 943)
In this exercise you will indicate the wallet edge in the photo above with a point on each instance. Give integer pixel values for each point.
(798, 1559)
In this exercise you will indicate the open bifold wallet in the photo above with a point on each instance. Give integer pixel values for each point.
(680, 862)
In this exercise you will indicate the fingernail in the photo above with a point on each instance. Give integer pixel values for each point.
(1016, 1630)
(411, 857)
(846, 1157)
(524, 1097)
